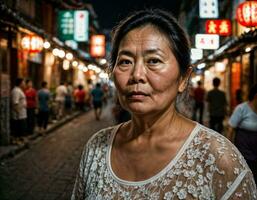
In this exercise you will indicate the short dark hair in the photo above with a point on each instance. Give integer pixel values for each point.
(253, 92)
(18, 81)
(165, 23)
(216, 82)
(199, 83)
(28, 80)
(98, 85)
(80, 87)
(43, 84)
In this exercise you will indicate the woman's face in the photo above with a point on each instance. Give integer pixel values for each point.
(146, 72)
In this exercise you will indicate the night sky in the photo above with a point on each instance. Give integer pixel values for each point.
(109, 12)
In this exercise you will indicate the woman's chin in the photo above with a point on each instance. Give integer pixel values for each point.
(139, 110)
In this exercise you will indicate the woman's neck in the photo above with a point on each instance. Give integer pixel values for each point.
(150, 126)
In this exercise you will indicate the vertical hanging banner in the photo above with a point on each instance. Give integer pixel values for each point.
(66, 25)
(208, 8)
(81, 25)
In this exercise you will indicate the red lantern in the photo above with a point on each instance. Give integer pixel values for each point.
(32, 43)
(97, 47)
(246, 13)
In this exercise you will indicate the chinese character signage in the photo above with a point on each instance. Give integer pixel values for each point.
(208, 8)
(206, 41)
(66, 25)
(97, 46)
(218, 26)
(73, 25)
(81, 25)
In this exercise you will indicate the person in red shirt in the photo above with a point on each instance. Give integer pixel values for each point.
(80, 95)
(199, 93)
(31, 97)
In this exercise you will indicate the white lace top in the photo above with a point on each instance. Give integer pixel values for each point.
(207, 166)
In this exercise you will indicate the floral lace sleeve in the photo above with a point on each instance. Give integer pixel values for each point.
(234, 179)
(89, 154)
(89, 158)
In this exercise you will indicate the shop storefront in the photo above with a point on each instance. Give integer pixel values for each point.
(8, 63)
(235, 65)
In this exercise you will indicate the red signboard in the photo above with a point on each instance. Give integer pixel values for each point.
(218, 26)
(246, 13)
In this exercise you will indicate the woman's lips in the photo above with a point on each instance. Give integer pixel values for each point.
(136, 95)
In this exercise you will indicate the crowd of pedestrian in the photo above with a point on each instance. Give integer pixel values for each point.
(32, 109)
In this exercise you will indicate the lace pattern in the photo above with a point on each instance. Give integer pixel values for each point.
(208, 166)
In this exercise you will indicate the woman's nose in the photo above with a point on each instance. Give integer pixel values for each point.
(138, 73)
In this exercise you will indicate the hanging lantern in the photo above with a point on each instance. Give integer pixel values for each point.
(246, 13)
(97, 47)
(32, 43)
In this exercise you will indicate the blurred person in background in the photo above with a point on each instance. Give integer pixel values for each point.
(243, 122)
(105, 89)
(239, 98)
(18, 108)
(31, 97)
(69, 98)
(198, 94)
(80, 95)
(97, 99)
(61, 92)
(43, 96)
(159, 153)
(217, 104)
(119, 113)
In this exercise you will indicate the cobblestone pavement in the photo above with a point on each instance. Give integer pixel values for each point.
(47, 170)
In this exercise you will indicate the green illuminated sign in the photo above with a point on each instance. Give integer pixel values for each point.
(73, 25)
(66, 25)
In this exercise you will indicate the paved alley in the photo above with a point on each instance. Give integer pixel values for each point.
(47, 170)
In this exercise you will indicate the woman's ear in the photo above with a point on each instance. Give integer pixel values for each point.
(184, 80)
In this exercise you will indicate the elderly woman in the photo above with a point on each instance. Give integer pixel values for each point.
(158, 154)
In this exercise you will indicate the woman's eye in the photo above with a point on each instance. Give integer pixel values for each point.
(124, 62)
(154, 61)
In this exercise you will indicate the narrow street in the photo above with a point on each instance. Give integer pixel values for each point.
(48, 168)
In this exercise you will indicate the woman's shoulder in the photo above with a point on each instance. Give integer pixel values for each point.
(221, 148)
(102, 136)
(212, 136)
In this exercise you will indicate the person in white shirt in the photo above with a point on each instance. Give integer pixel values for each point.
(18, 109)
(61, 92)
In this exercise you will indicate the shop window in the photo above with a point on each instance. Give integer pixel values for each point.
(235, 83)
(3, 55)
